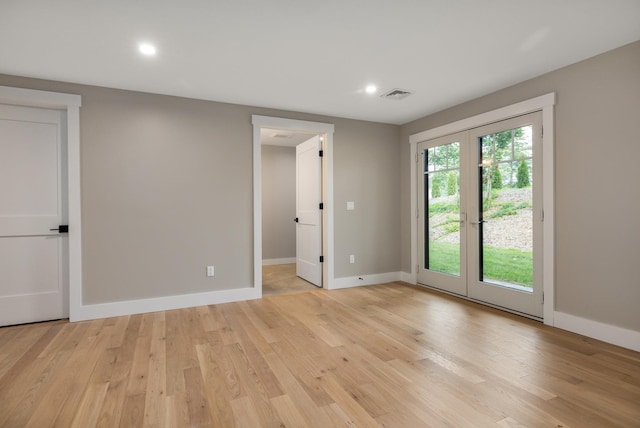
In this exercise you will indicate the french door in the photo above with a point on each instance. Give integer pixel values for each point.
(480, 199)
(442, 214)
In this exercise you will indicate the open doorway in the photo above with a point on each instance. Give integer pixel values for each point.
(286, 156)
(276, 233)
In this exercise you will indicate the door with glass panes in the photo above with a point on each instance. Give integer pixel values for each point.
(442, 225)
(480, 216)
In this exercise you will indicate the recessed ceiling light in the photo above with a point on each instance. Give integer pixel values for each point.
(147, 49)
(371, 89)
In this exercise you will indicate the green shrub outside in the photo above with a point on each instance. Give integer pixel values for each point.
(452, 184)
(522, 175)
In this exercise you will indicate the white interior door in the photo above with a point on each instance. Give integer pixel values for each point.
(308, 213)
(33, 257)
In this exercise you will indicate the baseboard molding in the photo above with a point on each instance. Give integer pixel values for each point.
(408, 277)
(358, 281)
(286, 261)
(615, 335)
(140, 306)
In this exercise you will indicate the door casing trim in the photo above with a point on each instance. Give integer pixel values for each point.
(327, 129)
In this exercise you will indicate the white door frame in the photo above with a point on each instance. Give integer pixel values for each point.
(71, 104)
(544, 103)
(327, 129)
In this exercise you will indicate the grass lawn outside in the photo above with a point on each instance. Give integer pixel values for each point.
(500, 264)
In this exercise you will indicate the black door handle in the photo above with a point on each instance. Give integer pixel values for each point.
(295, 219)
(63, 228)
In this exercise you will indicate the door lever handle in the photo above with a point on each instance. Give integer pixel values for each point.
(295, 219)
(463, 218)
(477, 222)
(63, 228)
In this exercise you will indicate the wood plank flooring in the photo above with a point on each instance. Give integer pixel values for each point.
(278, 279)
(390, 355)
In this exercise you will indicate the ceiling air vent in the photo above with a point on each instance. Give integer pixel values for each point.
(396, 94)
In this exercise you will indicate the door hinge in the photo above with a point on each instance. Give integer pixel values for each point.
(321, 259)
(542, 215)
(417, 212)
(416, 157)
(321, 153)
(321, 205)
(543, 297)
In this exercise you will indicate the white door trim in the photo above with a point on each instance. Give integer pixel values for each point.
(544, 103)
(327, 129)
(71, 104)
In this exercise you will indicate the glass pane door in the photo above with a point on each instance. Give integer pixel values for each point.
(506, 200)
(480, 214)
(506, 225)
(442, 226)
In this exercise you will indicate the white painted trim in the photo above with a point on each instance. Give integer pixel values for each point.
(327, 212)
(544, 103)
(513, 110)
(359, 281)
(34, 98)
(548, 206)
(257, 209)
(408, 278)
(615, 335)
(71, 104)
(164, 303)
(413, 155)
(271, 262)
(327, 129)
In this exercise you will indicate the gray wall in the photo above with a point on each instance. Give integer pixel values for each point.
(597, 179)
(167, 189)
(278, 202)
(367, 172)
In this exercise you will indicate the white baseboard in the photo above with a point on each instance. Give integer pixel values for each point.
(615, 335)
(357, 281)
(286, 261)
(408, 277)
(140, 306)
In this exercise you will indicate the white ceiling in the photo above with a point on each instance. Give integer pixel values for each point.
(285, 138)
(311, 56)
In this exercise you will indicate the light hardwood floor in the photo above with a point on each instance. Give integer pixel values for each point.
(389, 355)
(278, 279)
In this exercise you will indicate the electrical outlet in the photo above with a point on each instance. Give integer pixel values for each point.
(352, 258)
(210, 271)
